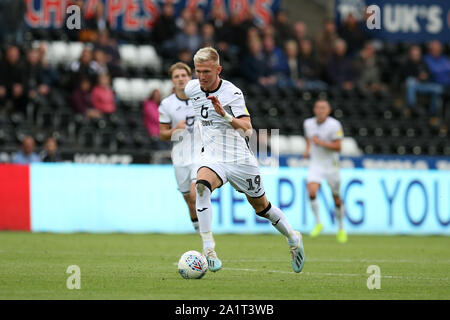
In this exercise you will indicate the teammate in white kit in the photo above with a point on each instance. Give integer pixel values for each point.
(224, 126)
(323, 136)
(176, 123)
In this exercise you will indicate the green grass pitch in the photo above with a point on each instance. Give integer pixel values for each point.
(143, 266)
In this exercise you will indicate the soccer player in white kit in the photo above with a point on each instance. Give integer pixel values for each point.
(176, 123)
(224, 127)
(323, 136)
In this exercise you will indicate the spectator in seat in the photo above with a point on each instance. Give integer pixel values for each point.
(52, 78)
(299, 31)
(13, 81)
(253, 34)
(276, 61)
(50, 152)
(283, 30)
(246, 24)
(217, 19)
(369, 70)
(84, 67)
(324, 43)
(254, 68)
(340, 70)
(228, 60)
(100, 59)
(37, 88)
(351, 31)
(438, 64)
(189, 38)
(235, 33)
(185, 55)
(150, 114)
(51, 75)
(165, 28)
(219, 22)
(185, 16)
(267, 30)
(26, 154)
(439, 67)
(111, 50)
(309, 68)
(208, 36)
(12, 21)
(97, 22)
(81, 101)
(291, 50)
(102, 95)
(417, 78)
(198, 15)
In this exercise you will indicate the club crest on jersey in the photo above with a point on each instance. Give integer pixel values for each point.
(190, 121)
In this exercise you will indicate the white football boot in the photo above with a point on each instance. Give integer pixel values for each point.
(298, 254)
(214, 263)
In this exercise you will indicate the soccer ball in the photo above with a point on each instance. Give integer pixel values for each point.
(192, 265)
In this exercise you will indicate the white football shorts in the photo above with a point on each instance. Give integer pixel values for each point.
(185, 176)
(244, 178)
(331, 175)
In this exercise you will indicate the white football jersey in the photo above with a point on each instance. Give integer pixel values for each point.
(185, 149)
(329, 130)
(220, 141)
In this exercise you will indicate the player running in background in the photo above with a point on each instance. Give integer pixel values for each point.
(223, 119)
(323, 136)
(176, 123)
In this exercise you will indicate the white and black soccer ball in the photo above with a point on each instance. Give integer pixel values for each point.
(192, 265)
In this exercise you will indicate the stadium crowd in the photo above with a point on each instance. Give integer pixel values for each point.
(282, 54)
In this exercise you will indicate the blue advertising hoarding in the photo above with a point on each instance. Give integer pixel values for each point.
(144, 198)
(399, 20)
(378, 161)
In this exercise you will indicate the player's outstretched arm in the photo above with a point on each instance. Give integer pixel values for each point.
(165, 131)
(243, 123)
(308, 146)
(335, 145)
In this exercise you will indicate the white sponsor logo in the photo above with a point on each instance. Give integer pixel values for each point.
(74, 280)
(374, 280)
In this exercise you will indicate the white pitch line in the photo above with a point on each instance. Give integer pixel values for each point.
(330, 274)
(342, 260)
(254, 260)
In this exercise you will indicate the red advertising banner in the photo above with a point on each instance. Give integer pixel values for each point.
(15, 197)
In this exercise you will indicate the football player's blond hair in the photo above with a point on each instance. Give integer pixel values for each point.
(206, 54)
(179, 65)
